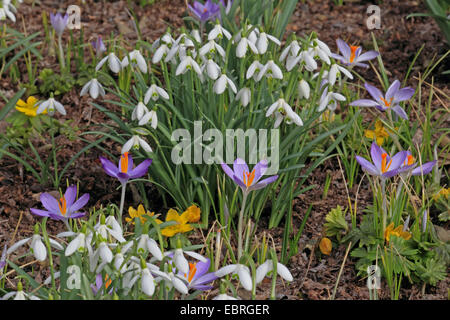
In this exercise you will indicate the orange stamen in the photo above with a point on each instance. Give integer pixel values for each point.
(410, 160)
(353, 53)
(388, 104)
(248, 177)
(192, 271)
(124, 163)
(108, 281)
(62, 205)
(385, 168)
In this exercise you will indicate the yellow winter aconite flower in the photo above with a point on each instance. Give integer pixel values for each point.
(193, 213)
(398, 232)
(444, 193)
(29, 107)
(325, 246)
(379, 134)
(140, 213)
(181, 225)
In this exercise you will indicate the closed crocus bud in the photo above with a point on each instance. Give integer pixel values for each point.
(303, 89)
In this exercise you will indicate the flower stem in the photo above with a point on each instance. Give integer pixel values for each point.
(384, 208)
(49, 249)
(122, 202)
(240, 225)
(61, 54)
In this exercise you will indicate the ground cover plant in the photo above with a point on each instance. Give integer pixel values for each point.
(199, 167)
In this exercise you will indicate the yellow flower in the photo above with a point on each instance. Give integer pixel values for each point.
(325, 246)
(193, 213)
(442, 193)
(140, 213)
(379, 134)
(29, 107)
(398, 232)
(181, 225)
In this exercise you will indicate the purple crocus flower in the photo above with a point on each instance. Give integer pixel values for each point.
(410, 165)
(98, 46)
(59, 22)
(99, 284)
(124, 171)
(205, 12)
(390, 100)
(198, 276)
(65, 208)
(247, 180)
(3, 258)
(351, 55)
(383, 165)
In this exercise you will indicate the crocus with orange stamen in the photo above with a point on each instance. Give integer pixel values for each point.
(383, 165)
(351, 55)
(410, 165)
(124, 170)
(65, 208)
(198, 276)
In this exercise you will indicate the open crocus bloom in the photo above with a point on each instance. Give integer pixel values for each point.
(246, 179)
(198, 276)
(205, 12)
(64, 208)
(124, 171)
(390, 100)
(59, 22)
(351, 55)
(409, 165)
(383, 165)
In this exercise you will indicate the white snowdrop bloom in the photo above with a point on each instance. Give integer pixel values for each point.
(19, 294)
(196, 35)
(136, 59)
(270, 70)
(329, 100)
(244, 95)
(243, 45)
(151, 117)
(78, 243)
(263, 42)
(303, 89)
(94, 87)
(283, 111)
(291, 50)
(147, 282)
(162, 51)
(105, 252)
(146, 243)
(154, 92)
(37, 246)
(224, 296)
(310, 63)
(212, 69)
(139, 111)
(111, 227)
(131, 275)
(322, 46)
(267, 267)
(222, 83)
(165, 39)
(218, 32)
(119, 258)
(50, 105)
(335, 71)
(7, 10)
(114, 63)
(180, 261)
(254, 70)
(56, 275)
(187, 63)
(242, 271)
(211, 47)
(136, 142)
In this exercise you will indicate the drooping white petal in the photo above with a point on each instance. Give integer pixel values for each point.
(147, 284)
(39, 250)
(17, 245)
(284, 272)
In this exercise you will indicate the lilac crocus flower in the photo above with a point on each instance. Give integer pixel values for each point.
(59, 22)
(205, 12)
(98, 46)
(124, 171)
(351, 55)
(99, 284)
(383, 165)
(65, 208)
(198, 276)
(246, 179)
(410, 165)
(390, 100)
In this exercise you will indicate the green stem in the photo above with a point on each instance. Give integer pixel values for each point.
(122, 201)
(240, 225)
(49, 249)
(61, 54)
(55, 161)
(384, 208)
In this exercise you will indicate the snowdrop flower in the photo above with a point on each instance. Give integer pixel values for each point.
(329, 99)
(36, 245)
(263, 42)
(147, 282)
(292, 50)
(114, 63)
(148, 244)
(165, 39)
(212, 69)
(243, 272)
(139, 111)
(79, 243)
(303, 89)
(336, 70)
(244, 96)
(196, 35)
(136, 142)
(109, 226)
(242, 47)
(283, 111)
(105, 252)
(180, 261)
(162, 51)
(154, 92)
(7, 11)
(267, 267)
(218, 32)
(305, 58)
(172, 280)
(321, 50)
(50, 105)
(211, 47)
(254, 70)
(19, 294)
(270, 70)
(136, 59)
(187, 63)
(221, 84)
(224, 296)
(150, 116)
(94, 87)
